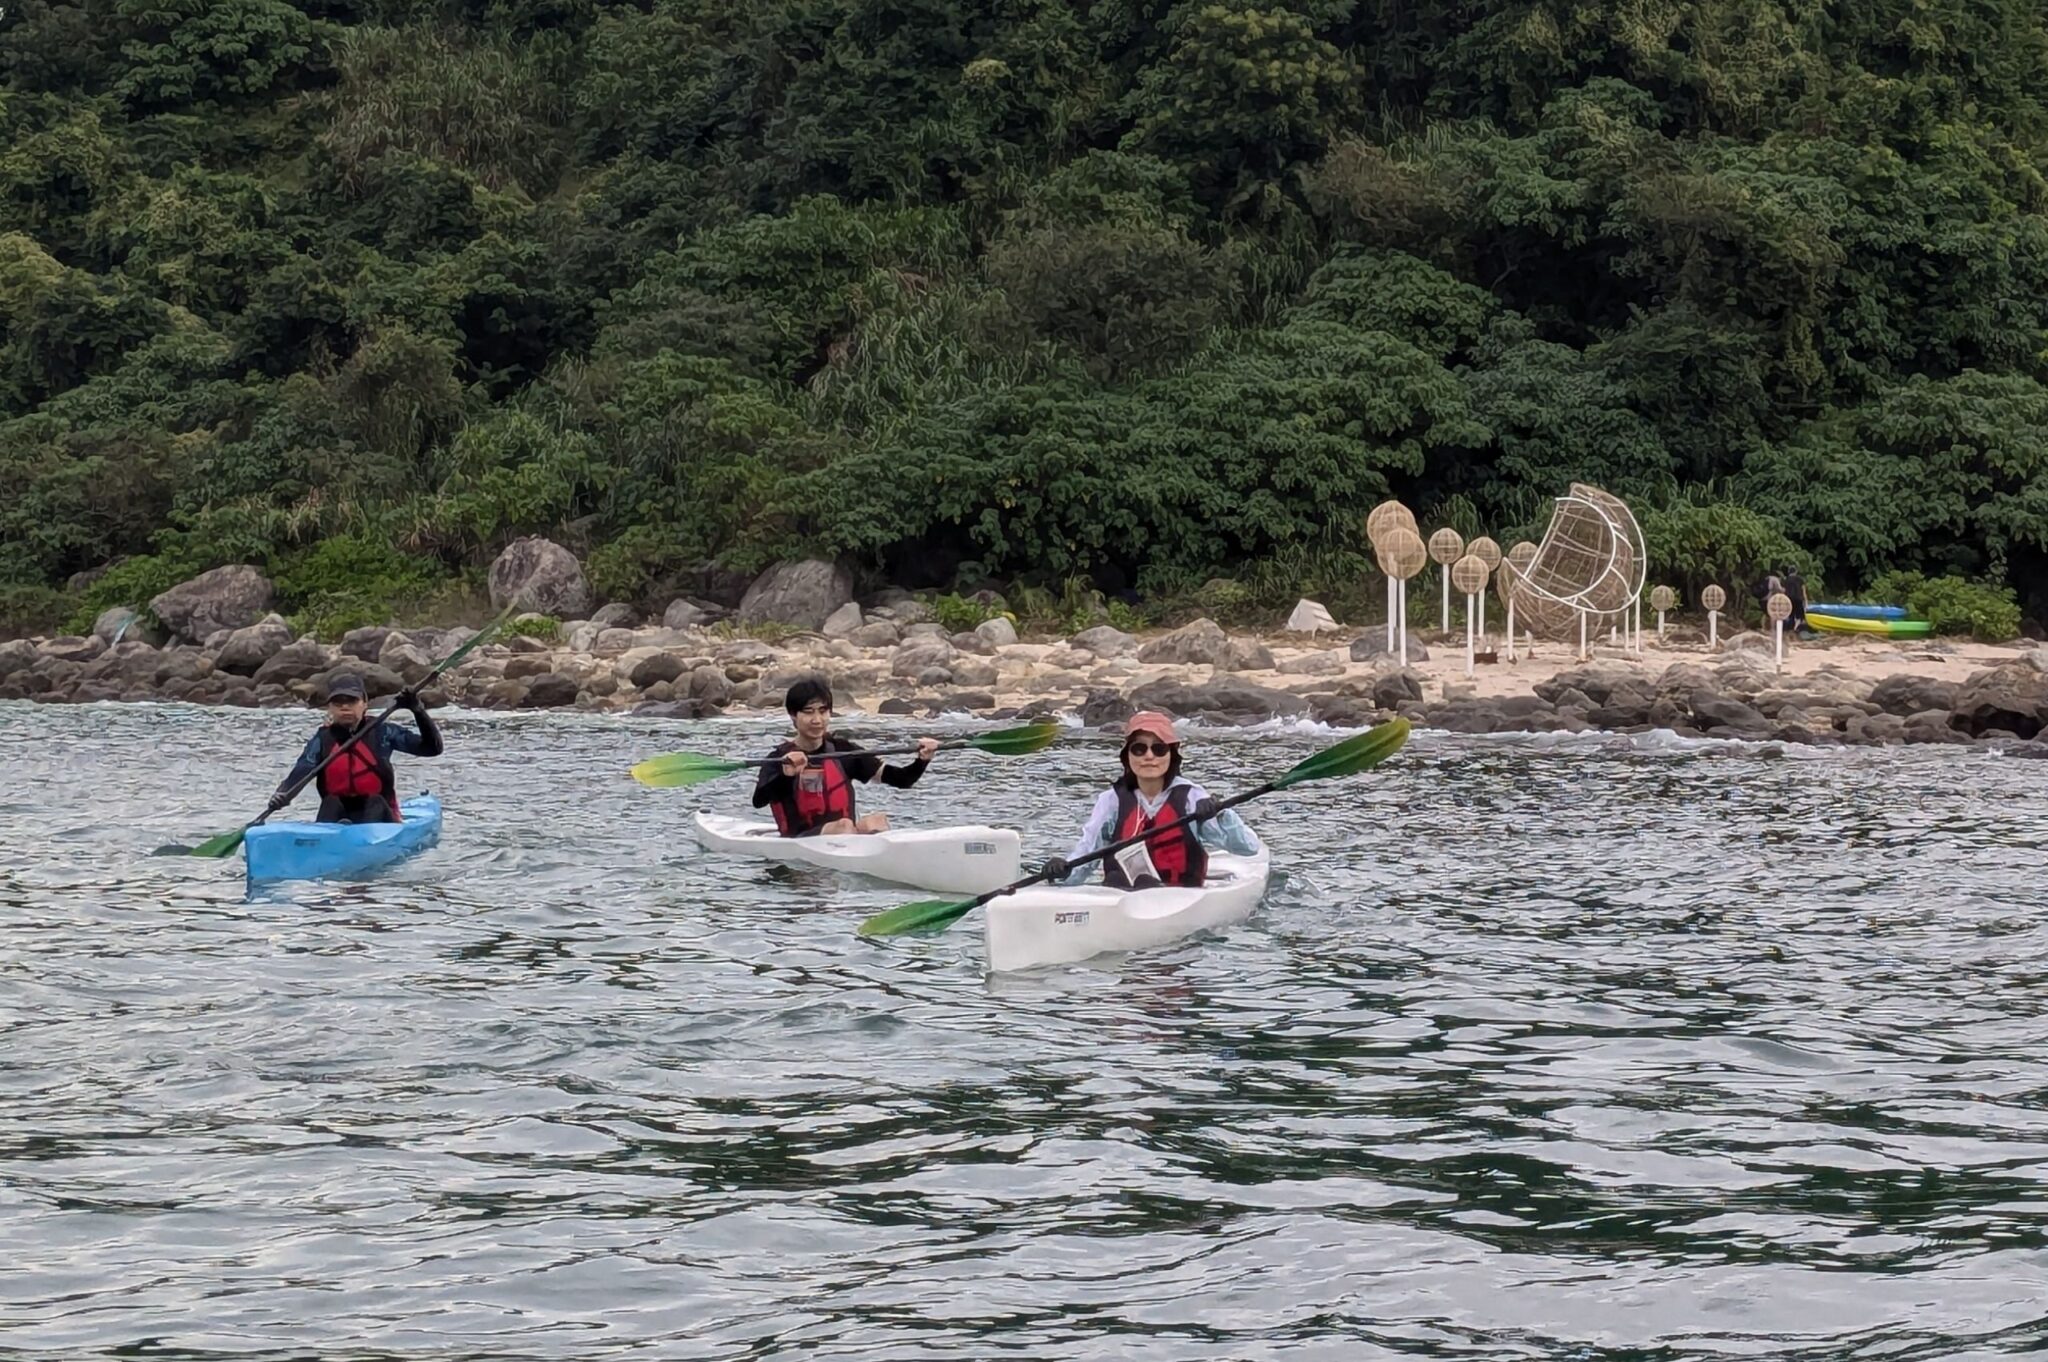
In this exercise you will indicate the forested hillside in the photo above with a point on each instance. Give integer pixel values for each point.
(1149, 293)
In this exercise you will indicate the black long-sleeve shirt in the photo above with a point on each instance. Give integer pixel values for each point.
(776, 787)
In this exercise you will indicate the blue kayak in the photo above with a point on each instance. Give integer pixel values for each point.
(1859, 612)
(319, 851)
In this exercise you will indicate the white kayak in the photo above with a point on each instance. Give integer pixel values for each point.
(955, 860)
(1057, 924)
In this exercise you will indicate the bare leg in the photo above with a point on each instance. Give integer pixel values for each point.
(873, 822)
(836, 827)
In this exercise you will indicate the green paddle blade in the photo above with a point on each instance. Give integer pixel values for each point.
(1351, 756)
(1016, 742)
(683, 768)
(928, 917)
(222, 846)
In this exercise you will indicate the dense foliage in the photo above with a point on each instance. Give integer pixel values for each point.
(1129, 292)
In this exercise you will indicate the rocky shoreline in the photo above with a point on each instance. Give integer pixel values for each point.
(892, 657)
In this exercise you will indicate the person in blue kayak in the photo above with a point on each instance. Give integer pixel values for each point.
(810, 797)
(1153, 794)
(359, 786)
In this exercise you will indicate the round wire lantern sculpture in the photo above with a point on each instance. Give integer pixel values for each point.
(1386, 516)
(1589, 568)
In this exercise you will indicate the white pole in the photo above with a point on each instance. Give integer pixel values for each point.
(1446, 626)
(1713, 629)
(1778, 637)
(1468, 633)
(1401, 598)
(1511, 626)
(1482, 617)
(1639, 624)
(1582, 636)
(1390, 612)
(1660, 626)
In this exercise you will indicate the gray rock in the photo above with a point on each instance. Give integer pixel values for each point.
(617, 615)
(708, 684)
(73, 647)
(124, 664)
(1909, 695)
(1104, 707)
(876, 634)
(935, 676)
(1468, 716)
(896, 705)
(365, 644)
(1723, 717)
(408, 661)
(541, 576)
(1250, 655)
(968, 671)
(1329, 663)
(906, 611)
(1883, 729)
(659, 667)
(17, 655)
(917, 654)
(746, 650)
(225, 598)
(1106, 641)
(552, 691)
(2013, 697)
(613, 642)
(521, 643)
(1391, 690)
(802, 594)
(582, 636)
(997, 632)
(968, 641)
(1932, 726)
(1749, 642)
(1601, 682)
(527, 665)
(926, 629)
(684, 613)
(1372, 644)
(122, 624)
(841, 623)
(601, 684)
(187, 665)
(1343, 711)
(967, 700)
(1202, 643)
(248, 649)
(296, 662)
(1224, 698)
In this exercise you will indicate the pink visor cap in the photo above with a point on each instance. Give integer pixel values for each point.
(1153, 722)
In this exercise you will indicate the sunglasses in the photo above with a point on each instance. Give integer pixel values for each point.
(1141, 748)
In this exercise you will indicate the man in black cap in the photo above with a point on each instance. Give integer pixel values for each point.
(358, 786)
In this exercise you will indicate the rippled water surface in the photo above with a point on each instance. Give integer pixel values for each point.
(1582, 1050)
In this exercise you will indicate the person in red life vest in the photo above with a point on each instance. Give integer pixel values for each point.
(809, 796)
(358, 786)
(1152, 794)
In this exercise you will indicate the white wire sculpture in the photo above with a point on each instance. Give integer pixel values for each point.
(1588, 571)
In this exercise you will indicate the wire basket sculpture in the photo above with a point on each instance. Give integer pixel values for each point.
(1591, 563)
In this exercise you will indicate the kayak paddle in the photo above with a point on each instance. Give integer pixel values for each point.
(1354, 754)
(694, 768)
(224, 844)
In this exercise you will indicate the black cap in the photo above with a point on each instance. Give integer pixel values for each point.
(345, 684)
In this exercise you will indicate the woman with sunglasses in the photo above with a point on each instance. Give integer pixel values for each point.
(1152, 794)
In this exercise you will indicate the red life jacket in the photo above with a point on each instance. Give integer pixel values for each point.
(824, 793)
(360, 771)
(1177, 854)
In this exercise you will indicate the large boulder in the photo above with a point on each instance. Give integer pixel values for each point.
(225, 598)
(365, 644)
(997, 632)
(1225, 698)
(1247, 655)
(876, 634)
(121, 624)
(1202, 643)
(17, 656)
(552, 691)
(542, 576)
(920, 654)
(684, 613)
(617, 615)
(298, 662)
(2012, 697)
(73, 647)
(1330, 662)
(973, 671)
(1391, 690)
(406, 658)
(187, 665)
(248, 649)
(803, 594)
(1904, 696)
(379, 682)
(709, 687)
(124, 664)
(1725, 718)
(1106, 640)
(645, 671)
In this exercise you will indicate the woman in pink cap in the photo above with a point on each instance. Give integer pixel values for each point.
(1152, 794)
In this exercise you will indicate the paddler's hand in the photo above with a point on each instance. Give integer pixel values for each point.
(1205, 809)
(1057, 869)
(277, 801)
(409, 701)
(794, 763)
(927, 748)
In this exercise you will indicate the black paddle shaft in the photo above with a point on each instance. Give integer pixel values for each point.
(953, 746)
(1114, 847)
